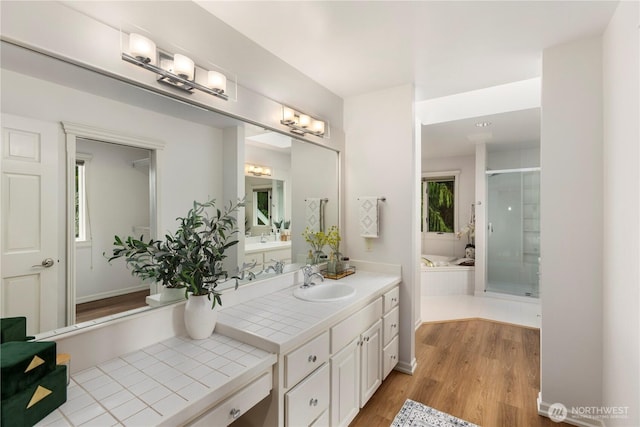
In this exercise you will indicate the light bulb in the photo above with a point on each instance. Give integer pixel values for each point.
(216, 81)
(288, 115)
(317, 126)
(305, 120)
(183, 66)
(142, 48)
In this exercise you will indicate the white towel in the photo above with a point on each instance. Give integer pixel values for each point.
(312, 213)
(368, 216)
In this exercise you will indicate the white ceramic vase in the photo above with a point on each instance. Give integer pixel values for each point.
(199, 318)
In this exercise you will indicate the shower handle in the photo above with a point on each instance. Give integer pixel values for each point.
(490, 228)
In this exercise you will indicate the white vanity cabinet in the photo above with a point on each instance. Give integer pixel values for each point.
(390, 327)
(356, 371)
(267, 256)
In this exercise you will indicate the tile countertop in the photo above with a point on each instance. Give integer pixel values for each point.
(165, 384)
(279, 322)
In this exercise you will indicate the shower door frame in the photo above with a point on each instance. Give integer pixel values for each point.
(488, 225)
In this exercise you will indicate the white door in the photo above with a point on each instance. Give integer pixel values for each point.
(29, 227)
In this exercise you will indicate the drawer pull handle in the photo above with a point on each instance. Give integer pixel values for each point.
(313, 358)
(394, 299)
(367, 339)
(235, 413)
(393, 357)
(313, 402)
(394, 325)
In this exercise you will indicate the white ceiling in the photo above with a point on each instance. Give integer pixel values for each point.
(442, 47)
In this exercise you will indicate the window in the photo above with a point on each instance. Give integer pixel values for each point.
(82, 214)
(262, 206)
(439, 207)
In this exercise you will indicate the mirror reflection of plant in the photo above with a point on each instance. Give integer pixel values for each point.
(333, 239)
(316, 239)
(191, 258)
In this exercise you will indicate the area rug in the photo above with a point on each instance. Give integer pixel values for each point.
(415, 414)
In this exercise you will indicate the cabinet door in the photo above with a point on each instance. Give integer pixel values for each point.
(345, 384)
(370, 362)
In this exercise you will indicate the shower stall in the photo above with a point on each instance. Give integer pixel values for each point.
(513, 231)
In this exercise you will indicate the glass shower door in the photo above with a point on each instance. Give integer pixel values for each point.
(513, 236)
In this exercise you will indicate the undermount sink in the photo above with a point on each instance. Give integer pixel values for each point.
(325, 292)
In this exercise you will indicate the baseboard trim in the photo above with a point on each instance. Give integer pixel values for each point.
(110, 294)
(575, 420)
(407, 368)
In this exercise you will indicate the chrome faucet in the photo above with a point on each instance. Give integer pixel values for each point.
(308, 272)
(277, 268)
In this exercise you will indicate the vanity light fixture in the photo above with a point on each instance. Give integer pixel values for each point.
(302, 124)
(176, 70)
(257, 170)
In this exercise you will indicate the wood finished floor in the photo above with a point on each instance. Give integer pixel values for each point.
(482, 371)
(108, 306)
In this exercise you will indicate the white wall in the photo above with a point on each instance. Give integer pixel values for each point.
(117, 200)
(571, 224)
(621, 296)
(513, 158)
(382, 159)
(449, 245)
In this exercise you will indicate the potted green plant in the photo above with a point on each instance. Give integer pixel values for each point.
(191, 258)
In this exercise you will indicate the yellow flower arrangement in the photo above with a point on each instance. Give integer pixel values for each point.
(333, 239)
(317, 239)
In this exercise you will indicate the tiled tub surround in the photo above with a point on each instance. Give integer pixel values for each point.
(166, 384)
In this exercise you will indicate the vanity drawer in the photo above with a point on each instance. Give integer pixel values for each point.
(301, 362)
(306, 401)
(278, 255)
(344, 332)
(391, 299)
(228, 411)
(390, 324)
(389, 357)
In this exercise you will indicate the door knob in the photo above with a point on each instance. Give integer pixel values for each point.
(46, 263)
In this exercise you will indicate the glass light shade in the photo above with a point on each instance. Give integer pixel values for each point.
(142, 48)
(183, 66)
(317, 126)
(288, 115)
(216, 81)
(267, 171)
(305, 120)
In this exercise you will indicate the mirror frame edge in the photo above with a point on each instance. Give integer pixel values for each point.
(73, 131)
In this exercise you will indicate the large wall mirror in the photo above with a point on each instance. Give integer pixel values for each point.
(129, 189)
